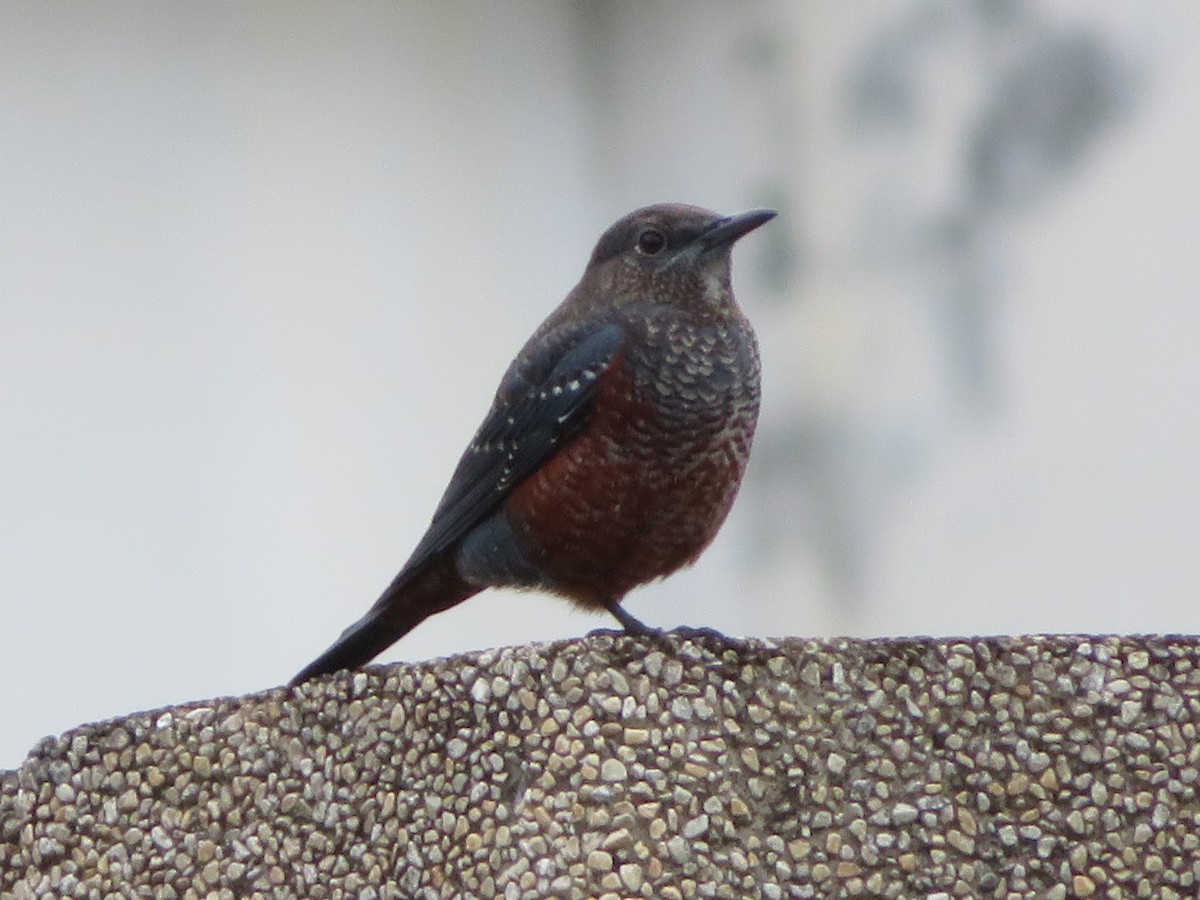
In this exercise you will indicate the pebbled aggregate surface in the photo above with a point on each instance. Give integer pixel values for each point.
(612, 767)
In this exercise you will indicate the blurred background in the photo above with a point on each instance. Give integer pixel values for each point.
(262, 267)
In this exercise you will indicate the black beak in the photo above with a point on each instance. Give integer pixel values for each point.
(725, 231)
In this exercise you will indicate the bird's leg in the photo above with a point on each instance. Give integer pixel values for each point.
(637, 628)
(629, 622)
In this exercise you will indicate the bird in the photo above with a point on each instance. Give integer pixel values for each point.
(615, 444)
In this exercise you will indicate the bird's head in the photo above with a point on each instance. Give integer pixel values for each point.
(678, 254)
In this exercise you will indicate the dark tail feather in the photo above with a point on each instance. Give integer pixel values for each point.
(409, 600)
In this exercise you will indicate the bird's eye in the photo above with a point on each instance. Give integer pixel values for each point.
(651, 242)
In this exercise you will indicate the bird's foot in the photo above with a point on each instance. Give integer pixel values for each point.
(632, 625)
(635, 627)
(701, 633)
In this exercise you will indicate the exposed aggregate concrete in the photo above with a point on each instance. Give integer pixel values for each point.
(1048, 767)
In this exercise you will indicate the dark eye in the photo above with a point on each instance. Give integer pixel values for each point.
(651, 242)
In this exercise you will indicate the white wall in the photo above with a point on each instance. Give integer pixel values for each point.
(262, 268)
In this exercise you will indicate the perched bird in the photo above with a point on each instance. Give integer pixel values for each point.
(614, 446)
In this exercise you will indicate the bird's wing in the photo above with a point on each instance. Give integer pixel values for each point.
(540, 405)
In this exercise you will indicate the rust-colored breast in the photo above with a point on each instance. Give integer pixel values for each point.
(639, 492)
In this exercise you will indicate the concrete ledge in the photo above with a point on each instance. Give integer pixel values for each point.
(1010, 767)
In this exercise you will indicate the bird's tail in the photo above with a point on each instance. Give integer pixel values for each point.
(411, 598)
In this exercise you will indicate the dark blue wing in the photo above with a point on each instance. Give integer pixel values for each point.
(544, 399)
